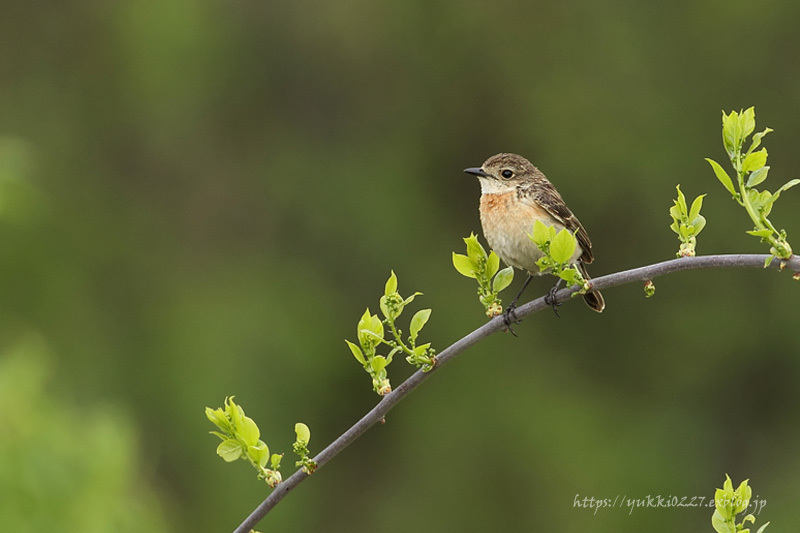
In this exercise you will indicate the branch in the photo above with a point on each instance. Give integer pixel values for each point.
(497, 324)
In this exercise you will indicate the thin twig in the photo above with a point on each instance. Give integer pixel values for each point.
(496, 324)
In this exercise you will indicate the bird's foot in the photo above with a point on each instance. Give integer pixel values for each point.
(510, 317)
(550, 300)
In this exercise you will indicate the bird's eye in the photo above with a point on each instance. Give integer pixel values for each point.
(507, 174)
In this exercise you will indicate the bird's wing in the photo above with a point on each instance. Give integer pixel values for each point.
(548, 198)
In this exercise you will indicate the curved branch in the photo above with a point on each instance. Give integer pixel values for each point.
(496, 324)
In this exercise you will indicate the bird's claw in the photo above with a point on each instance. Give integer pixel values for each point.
(510, 317)
(550, 300)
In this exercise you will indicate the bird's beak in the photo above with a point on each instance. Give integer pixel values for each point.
(476, 171)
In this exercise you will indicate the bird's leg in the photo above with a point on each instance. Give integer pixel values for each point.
(550, 299)
(510, 315)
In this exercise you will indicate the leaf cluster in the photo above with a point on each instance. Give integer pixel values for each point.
(241, 440)
(558, 249)
(371, 334)
(751, 170)
(485, 269)
(687, 222)
(300, 448)
(729, 503)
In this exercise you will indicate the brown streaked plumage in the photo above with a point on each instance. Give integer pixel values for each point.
(514, 194)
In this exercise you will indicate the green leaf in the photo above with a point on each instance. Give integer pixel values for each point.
(760, 200)
(720, 524)
(465, 265)
(410, 299)
(383, 303)
(563, 247)
(757, 139)
(364, 321)
(762, 528)
(767, 207)
(788, 185)
(492, 264)
(748, 121)
(302, 432)
(755, 161)
(571, 276)
(722, 176)
(391, 354)
(757, 176)
(675, 211)
(232, 411)
(275, 461)
(391, 285)
(218, 418)
(696, 206)
(259, 453)
(379, 362)
(376, 326)
(731, 133)
(503, 279)
(357, 353)
(540, 234)
(699, 223)
(742, 497)
(681, 202)
(727, 486)
(370, 329)
(760, 233)
(230, 450)
(721, 497)
(474, 249)
(419, 350)
(222, 436)
(418, 321)
(248, 431)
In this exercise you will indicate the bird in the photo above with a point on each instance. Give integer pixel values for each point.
(514, 195)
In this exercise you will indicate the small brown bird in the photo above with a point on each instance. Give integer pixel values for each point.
(515, 194)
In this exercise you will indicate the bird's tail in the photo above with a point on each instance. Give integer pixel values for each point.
(593, 299)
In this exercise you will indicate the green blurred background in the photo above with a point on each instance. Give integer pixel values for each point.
(199, 199)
